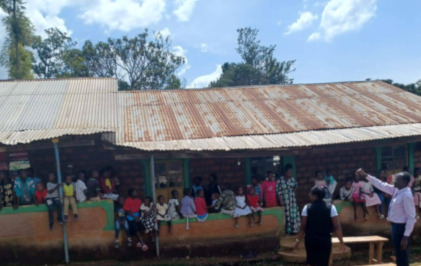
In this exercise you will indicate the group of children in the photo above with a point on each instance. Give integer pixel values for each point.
(28, 190)
(363, 194)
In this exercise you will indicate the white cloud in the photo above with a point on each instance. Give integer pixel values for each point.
(340, 16)
(164, 32)
(205, 80)
(184, 9)
(304, 21)
(123, 15)
(204, 47)
(180, 51)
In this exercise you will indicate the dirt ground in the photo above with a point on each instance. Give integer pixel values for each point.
(358, 258)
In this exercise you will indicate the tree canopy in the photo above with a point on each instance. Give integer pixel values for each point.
(259, 65)
(19, 35)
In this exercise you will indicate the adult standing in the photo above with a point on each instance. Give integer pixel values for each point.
(213, 187)
(285, 189)
(401, 212)
(268, 189)
(319, 220)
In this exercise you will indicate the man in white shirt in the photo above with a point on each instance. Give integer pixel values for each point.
(80, 187)
(401, 212)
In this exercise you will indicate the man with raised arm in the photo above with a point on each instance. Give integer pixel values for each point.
(401, 212)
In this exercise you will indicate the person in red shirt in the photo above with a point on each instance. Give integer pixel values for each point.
(269, 191)
(201, 208)
(40, 194)
(255, 204)
(132, 208)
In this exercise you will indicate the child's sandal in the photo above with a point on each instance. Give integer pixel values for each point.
(116, 244)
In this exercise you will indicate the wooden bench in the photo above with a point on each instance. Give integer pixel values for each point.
(371, 240)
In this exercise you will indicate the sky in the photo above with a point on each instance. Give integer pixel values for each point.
(331, 40)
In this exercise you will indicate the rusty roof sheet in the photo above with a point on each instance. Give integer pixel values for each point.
(284, 141)
(44, 109)
(176, 115)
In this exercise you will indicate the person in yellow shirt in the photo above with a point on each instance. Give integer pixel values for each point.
(69, 198)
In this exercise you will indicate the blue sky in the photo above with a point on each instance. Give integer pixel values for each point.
(332, 40)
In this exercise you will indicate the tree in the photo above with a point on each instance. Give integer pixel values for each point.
(259, 65)
(19, 31)
(412, 87)
(50, 53)
(144, 64)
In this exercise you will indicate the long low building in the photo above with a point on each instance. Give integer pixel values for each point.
(236, 133)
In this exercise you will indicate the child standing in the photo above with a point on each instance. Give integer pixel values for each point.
(201, 208)
(321, 182)
(162, 213)
(80, 188)
(188, 209)
(69, 198)
(93, 186)
(53, 199)
(371, 198)
(255, 204)
(40, 193)
(269, 191)
(345, 193)
(241, 207)
(357, 198)
(148, 217)
(132, 208)
(120, 220)
(174, 206)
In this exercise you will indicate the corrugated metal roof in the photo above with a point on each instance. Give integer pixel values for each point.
(262, 117)
(282, 141)
(157, 116)
(44, 109)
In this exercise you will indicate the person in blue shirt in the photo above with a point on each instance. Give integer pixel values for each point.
(24, 188)
(197, 185)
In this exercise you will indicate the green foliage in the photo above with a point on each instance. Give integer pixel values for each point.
(19, 31)
(259, 66)
(50, 53)
(74, 64)
(412, 87)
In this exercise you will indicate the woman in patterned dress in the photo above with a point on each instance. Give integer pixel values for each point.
(285, 189)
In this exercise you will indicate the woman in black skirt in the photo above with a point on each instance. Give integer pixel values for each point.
(318, 221)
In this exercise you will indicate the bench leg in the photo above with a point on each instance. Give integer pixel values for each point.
(371, 254)
(379, 252)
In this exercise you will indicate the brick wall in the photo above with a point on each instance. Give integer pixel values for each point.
(227, 170)
(343, 164)
(130, 172)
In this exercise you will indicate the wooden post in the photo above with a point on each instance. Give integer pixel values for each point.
(153, 182)
(371, 253)
(379, 252)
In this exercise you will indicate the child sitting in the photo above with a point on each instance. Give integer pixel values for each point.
(188, 209)
(357, 198)
(345, 193)
(40, 193)
(241, 207)
(212, 208)
(120, 220)
(320, 182)
(93, 189)
(371, 199)
(201, 208)
(174, 206)
(69, 198)
(132, 209)
(255, 204)
(148, 217)
(256, 185)
(162, 213)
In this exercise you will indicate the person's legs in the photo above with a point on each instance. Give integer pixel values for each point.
(251, 219)
(259, 214)
(117, 230)
(169, 226)
(382, 202)
(74, 206)
(402, 256)
(236, 222)
(318, 250)
(365, 211)
(66, 207)
(51, 213)
(355, 210)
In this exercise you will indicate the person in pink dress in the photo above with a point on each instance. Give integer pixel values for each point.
(357, 198)
(371, 198)
(269, 191)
